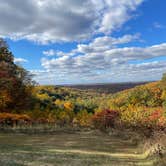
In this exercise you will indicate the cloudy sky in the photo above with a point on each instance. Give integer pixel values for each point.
(87, 41)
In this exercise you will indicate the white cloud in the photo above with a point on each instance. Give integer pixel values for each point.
(106, 64)
(20, 60)
(53, 52)
(104, 43)
(117, 13)
(158, 25)
(68, 20)
(50, 52)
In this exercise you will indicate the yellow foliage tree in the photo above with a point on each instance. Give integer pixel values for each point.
(68, 106)
(83, 118)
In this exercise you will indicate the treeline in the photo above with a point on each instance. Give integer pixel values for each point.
(107, 87)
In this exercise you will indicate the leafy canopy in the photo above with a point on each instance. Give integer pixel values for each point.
(15, 81)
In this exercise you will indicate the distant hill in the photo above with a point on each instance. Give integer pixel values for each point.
(106, 87)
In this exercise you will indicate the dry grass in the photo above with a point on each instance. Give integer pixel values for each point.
(70, 149)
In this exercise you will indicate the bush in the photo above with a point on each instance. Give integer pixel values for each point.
(144, 119)
(105, 119)
(83, 119)
(156, 119)
(134, 116)
(9, 119)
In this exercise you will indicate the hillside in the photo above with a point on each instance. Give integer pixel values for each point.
(106, 87)
(147, 95)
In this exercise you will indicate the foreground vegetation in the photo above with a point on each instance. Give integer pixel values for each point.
(73, 148)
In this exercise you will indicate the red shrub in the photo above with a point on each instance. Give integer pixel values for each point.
(155, 115)
(105, 119)
(156, 119)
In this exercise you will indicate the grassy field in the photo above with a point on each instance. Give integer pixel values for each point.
(70, 149)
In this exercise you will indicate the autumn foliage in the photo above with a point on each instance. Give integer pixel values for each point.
(15, 83)
(142, 107)
(105, 119)
(14, 119)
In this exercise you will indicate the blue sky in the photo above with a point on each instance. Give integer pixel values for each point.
(75, 41)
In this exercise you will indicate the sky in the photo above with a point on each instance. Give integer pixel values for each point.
(86, 41)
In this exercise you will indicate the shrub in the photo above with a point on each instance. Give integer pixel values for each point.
(105, 119)
(83, 118)
(144, 119)
(13, 119)
(134, 116)
(156, 119)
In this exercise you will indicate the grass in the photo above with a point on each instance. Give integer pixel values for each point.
(70, 149)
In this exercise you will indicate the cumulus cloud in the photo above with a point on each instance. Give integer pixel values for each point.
(122, 73)
(68, 20)
(20, 60)
(99, 44)
(50, 52)
(108, 58)
(106, 65)
(116, 13)
(104, 43)
(157, 25)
